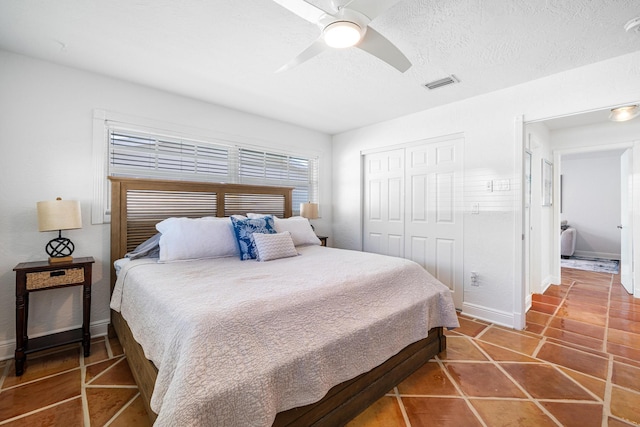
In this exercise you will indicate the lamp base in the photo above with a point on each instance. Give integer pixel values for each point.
(60, 259)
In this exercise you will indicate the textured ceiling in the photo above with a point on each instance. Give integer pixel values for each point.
(226, 51)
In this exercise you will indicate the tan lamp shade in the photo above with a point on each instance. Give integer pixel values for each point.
(59, 215)
(309, 210)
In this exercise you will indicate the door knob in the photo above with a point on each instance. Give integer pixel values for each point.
(620, 227)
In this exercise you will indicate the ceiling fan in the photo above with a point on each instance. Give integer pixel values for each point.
(347, 26)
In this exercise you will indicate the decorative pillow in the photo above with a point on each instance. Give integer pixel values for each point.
(274, 246)
(256, 215)
(150, 248)
(300, 229)
(189, 238)
(244, 230)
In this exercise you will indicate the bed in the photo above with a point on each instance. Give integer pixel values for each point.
(341, 385)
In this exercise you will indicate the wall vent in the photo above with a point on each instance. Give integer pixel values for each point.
(442, 82)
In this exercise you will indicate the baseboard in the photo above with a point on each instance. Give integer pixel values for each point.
(98, 329)
(498, 317)
(603, 255)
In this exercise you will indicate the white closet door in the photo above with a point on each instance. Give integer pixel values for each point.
(413, 208)
(383, 225)
(433, 211)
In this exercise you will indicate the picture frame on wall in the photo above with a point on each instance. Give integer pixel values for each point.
(547, 183)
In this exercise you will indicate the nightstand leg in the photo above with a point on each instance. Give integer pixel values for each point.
(86, 316)
(21, 332)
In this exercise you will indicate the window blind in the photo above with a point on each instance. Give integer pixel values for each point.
(145, 155)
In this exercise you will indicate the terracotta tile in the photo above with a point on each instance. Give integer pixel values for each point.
(118, 374)
(39, 366)
(547, 299)
(62, 415)
(507, 413)
(461, 348)
(537, 317)
(543, 381)
(631, 316)
(627, 361)
(626, 339)
(581, 314)
(574, 338)
(612, 422)
(482, 380)
(574, 359)
(469, 327)
(92, 371)
(104, 403)
(575, 414)
(534, 328)
(98, 352)
(29, 397)
(500, 354)
(625, 404)
(626, 376)
(623, 351)
(511, 340)
(428, 380)
(595, 352)
(581, 328)
(383, 413)
(557, 290)
(136, 415)
(437, 411)
(543, 308)
(594, 385)
(116, 348)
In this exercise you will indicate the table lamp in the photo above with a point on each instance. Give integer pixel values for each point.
(59, 215)
(310, 211)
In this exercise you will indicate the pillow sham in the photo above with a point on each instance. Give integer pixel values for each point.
(150, 248)
(274, 246)
(300, 229)
(196, 238)
(244, 230)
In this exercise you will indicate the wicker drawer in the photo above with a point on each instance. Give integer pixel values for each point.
(48, 279)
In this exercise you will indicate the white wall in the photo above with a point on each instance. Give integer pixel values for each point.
(491, 152)
(46, 117)
(591, 202)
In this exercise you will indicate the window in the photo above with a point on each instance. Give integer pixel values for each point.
(149, 154)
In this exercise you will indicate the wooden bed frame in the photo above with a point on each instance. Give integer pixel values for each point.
(138, 204)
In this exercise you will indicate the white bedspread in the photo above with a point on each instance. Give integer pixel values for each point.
(235, 341)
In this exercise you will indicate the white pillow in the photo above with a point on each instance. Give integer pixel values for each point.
(274, 246)
(300, 229)
(189, 238)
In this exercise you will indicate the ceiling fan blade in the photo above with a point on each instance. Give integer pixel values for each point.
(378, 46)
(371, 8)
(303, 9)
(316, 48)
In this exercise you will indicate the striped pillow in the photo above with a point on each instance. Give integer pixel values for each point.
(274, 246)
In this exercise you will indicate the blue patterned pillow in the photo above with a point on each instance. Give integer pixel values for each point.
(244, 229)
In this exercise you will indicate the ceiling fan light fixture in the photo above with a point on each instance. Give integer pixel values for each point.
(622, 114)
(342, 34)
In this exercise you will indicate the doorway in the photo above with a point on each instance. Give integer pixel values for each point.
(551, 139)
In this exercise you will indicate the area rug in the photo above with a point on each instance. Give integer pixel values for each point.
(591, 264)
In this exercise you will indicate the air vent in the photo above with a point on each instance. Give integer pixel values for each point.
(442, 82)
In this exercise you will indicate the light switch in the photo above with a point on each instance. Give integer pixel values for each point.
(475, 208)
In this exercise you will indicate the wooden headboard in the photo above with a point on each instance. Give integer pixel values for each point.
(137, 205)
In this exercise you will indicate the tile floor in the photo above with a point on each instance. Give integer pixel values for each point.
(577, 364)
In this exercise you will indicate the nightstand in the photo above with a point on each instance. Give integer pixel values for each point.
(323, 240)
(39, 276)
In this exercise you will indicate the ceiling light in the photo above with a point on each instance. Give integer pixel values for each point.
(342, 34)
(622, 114)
